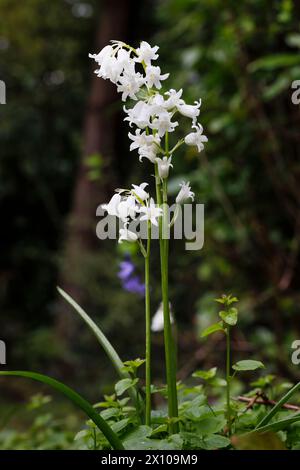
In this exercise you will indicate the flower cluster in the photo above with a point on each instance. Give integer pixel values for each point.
(129, 205)
(154, 115)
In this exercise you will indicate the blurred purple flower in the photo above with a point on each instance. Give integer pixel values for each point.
(134, 285)
(126, 269)
(130, 282)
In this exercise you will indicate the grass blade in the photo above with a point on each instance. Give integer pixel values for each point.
(77, 400)
(104, 342)
(277, 407)
(278, 425)
(106, 345)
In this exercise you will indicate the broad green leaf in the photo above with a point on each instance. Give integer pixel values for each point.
(138, 438)
(214, 442)
(248, 364)
(205, 374)
(120, 425)
(211, 425)
(212, 329)
(229, 316)
(109, 413)
(124, 385)
(210, 442)
(75, 398)
(196, 412)
(277, 407)
(104, 342)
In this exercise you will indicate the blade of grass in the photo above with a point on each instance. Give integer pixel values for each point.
(278, 425)
(104, 342)
(277, 407)
(76, 399)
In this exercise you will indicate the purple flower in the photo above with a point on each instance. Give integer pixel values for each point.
(134, 285)
(130, 282)
(126, 269)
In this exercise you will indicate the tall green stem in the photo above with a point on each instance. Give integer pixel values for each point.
(148, 328)
(228, 380)
(161, 194)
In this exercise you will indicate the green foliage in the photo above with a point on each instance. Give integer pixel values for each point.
(248, 364)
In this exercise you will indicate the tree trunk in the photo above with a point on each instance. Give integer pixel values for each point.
(99, 136)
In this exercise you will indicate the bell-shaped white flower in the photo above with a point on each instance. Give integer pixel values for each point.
(149, 152)
(184, 193)
(196, 138)
(127, 235)
(157, 322)
(129, 84)
(146, 53)
(127, 208)
(141, 139)
(139, 114)
(112, 206)
(174, 99)
(151, 212)
(154, 76)
(105, 53)
(162, 123)
(189, 110)
(139, 191)
(163, 166)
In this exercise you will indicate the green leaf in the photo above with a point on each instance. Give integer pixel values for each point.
(274, 61)
(132, 366)
(75, 398)
(104, 342)
(293, 40)
(212, 329)
(229, 316)
(248, 364)
(214, 442)
(109, 413)
(277, 407)
(120, 425)
(124, 385)
(137, 439)
(205, 374)
(211, 425)
(279, 425)
(263, 382)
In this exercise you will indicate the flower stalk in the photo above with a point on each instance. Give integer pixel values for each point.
(228, 380)
(148, 328)
(162, 200)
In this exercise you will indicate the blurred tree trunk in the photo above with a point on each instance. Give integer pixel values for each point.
(99, 136)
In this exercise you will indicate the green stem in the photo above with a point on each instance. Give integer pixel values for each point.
(168, 338)
(228, 380)
(148, 328)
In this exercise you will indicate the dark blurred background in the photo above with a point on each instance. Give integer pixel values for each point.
(64, 148)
